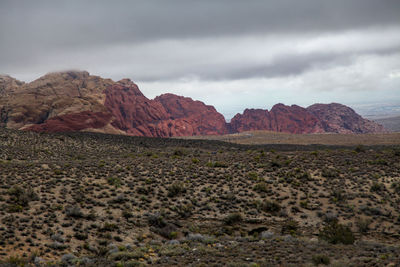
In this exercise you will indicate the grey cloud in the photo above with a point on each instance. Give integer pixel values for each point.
(35, 26)
(216, 42)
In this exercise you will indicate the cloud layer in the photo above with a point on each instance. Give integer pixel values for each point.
(229, 53)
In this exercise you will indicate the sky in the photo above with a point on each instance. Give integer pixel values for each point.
(233, 54)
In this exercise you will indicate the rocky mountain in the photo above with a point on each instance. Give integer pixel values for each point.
(391, 123)
(77, 101)
(338, 118)
(281, 118)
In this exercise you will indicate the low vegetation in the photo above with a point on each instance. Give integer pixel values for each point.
(87, 199)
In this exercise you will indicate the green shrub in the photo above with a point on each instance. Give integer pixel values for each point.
(173, 235)
(233, 218)
(270, 206)
(377, 187)
(216, 164)
(336, 233)
(290, 227)
(115, 181)
(176, 189)
(359, 148)
(14, 208)
(253, 176)
(179, 152)
(16, 261)
(329, 173)
(108, 227)
(81, 236)
(363, 225)
(338, 195)
(219, 164)
(74, 212)
(320, 259)
(261, 187)
(396, 187)
(22, 196)
(184, 211)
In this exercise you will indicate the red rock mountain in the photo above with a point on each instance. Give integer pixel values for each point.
(338, 118)
(77, 101)
(281, 118)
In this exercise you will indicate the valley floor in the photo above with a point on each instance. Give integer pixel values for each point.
(84, 199)
(266, 137)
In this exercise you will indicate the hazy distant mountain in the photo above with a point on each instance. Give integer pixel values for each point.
(392, 124)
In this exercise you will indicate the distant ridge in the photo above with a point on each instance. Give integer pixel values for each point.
(76, 101)
(391, 123)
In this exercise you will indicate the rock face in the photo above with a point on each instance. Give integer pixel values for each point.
(338, 118)
(194, 116)
(77, 101)
(73, 122)
(132, 111)
(166, 116)
(281, 118)
(53, 95)
(8, 85)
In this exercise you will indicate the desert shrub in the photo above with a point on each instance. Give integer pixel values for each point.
(253, 176)
(338, 195)
(329, 173)
(304, 204)
(275, 164)
(396, 187)
(81, 236)
(320, 259)
(217, 164)
(144, 190)
(336, 233)
(184, 211)
(14, 208)
(195, 160)
(74, 212)
(261, 187)
(299, 174)
(126, 213)
(379, 161)
(108, 227)
(22, 196)
(173, 235)
(91, 215)
(290, 227)
(363, 225)
(359, 148)
(233, 218)
(127, 255)
(377, 187)
(176, 189)
(270, 206)
(15, 261)
(58, 172)
(156, 220)
(179, 152)
(115, 181)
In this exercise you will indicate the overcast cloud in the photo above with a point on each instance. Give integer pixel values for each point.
(230, 53)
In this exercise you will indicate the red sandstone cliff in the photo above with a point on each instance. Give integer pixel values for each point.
(281, 118)
(338, 118)
(77, 101)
